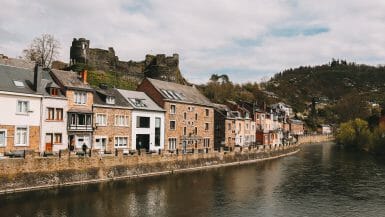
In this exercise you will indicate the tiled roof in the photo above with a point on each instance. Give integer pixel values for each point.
(139, 100)
(101, 94)
(180, 93)
(70, 79)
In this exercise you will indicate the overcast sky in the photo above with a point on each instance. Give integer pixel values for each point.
(247, 39)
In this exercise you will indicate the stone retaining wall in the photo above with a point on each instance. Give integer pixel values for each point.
(45, 172)
(315, 138)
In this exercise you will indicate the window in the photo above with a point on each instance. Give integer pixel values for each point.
(121, 142)
(172, 109)
(80, 98)
(18, 83)
(185, 115)
(53, 91)
(157, 131)
(247, 126)
(54, 114)
(137, 102)
(22, 106)
(206, 142)
(121, 120)
(110, 100)
(206, 126)
(101, 119)
(3, 138)
(196, 116)
(184, 131)
(247, 115)
(196, 130)
(58, 138)
(21, 136)
(171, 143)
(172, 125)
(142, 122)
(228, 126)
(207, 112)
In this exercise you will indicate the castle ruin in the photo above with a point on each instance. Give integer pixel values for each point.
(157, 66)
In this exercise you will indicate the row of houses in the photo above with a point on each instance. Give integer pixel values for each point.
(47, 110)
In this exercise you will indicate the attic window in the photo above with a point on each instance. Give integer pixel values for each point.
(18, 83)
(137, 102)
(172, 94)
(53, 91)
(110, 100)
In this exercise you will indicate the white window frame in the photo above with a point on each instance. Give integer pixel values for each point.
(126, 121)
(5, 138)
(26, 107)
(120, 137)
(172, 143)
(171, 110)
(105, 119)
(26, 144)
(206, 142)
(110, 100)
(80, 97)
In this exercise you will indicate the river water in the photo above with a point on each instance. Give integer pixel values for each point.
(321, 180)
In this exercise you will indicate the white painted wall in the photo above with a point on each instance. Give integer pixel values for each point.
(8, 106)
(151, 130)
(54, 126)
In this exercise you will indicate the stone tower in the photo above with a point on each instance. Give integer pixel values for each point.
(79, 51)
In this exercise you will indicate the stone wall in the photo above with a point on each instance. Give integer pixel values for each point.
(315, 138)
(38, 172)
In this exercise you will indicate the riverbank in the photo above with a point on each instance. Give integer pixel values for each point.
(35, 173)
(315, 138)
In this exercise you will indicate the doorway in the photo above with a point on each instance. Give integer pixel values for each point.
(143, 141)
(48, 142)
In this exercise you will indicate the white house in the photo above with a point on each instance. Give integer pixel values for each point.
(147, 121)
(20, 105)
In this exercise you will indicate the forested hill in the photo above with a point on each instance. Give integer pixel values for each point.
(337, 82)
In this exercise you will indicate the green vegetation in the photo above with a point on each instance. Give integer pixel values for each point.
(356, 134)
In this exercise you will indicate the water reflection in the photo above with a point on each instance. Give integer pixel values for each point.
(321, 180)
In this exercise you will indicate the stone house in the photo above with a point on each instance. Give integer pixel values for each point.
(224, 127)
(189, 116)
(112, 118)
(20, 103)
(147, 122)
(80, 99)
(296, 127)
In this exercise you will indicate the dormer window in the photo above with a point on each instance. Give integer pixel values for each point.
(110, 100)
(18, 83)
(53, 91)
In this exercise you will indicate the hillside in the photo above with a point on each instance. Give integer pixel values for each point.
(343, 89)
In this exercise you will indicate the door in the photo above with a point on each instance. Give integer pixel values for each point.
(48, 142)
(101, 143)
(143, 141)
(83, 140)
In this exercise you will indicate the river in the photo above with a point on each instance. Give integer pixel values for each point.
(320, 180)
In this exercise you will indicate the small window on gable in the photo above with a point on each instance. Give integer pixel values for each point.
(18, 83)
(110, 100)
(53, 91)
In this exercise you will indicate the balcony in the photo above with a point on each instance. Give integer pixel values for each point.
(79, 122)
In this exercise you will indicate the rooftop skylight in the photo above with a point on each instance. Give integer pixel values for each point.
(19, 83)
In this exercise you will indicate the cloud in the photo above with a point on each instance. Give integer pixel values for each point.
(245, 39)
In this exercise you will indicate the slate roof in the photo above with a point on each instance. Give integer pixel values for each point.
(143, 97)
(180, 93)
(9, 74)
(70, 79)
(101, 94)
(20, 63)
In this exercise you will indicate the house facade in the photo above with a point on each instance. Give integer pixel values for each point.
(189, 116)
(112, 117)
(224, 127)
(20, 105)
(79, 96)
(147, 125)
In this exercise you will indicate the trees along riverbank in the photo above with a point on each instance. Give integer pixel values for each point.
(356, 134)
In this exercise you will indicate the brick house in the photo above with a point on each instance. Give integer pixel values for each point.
(224, 127)
(112, 117)
(189, 117)
(80, 98)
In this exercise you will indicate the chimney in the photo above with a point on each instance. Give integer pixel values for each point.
(83, 75)
(37, 76)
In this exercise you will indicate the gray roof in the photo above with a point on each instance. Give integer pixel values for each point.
(20, 63)
(9, 74)
(180, 93)
(145, 102)
(101, 94)
(70, 79)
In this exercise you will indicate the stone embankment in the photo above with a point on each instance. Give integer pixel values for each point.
(32, 173)
(315, 138)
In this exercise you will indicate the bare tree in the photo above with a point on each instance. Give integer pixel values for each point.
(43, 50)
